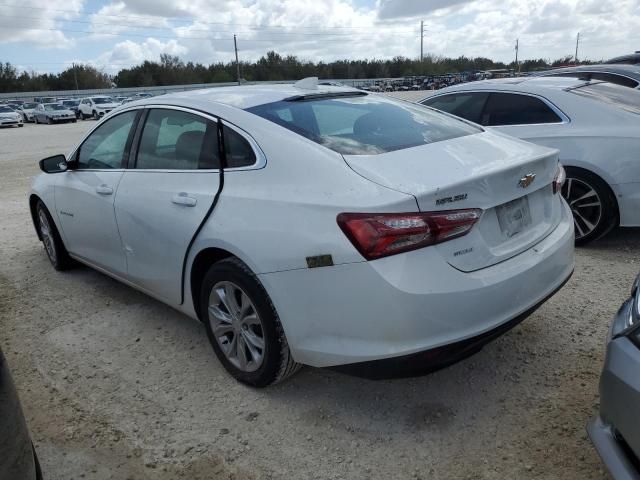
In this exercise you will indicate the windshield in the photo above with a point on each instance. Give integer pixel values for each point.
(100, 100)
(5, 110)
(29, 106)
(53, 106)
(363, 124)
(614, 95)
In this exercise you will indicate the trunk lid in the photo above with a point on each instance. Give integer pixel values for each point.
(510, 180)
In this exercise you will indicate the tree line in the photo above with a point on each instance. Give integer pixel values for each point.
(171, 70)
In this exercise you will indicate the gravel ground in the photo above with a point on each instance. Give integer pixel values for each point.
(116, 385)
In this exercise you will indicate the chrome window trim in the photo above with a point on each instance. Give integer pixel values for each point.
(261, 159)
(563, 116)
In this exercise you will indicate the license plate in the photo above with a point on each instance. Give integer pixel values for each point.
(514, 216)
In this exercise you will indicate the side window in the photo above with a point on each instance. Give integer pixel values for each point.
(467, 105)
(176, 140)
(516, 109)
(107, 146)
(238, 150)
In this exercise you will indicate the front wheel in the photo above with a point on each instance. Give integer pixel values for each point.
(95, 115)
(56, 251)
(243, 325)
(592, 203)
(49, 121)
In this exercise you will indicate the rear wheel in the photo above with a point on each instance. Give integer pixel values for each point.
(593, 205)
(243, 325)
(56, 251)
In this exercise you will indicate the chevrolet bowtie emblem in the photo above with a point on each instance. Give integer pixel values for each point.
(527, 180)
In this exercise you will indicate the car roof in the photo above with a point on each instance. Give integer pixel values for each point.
(525, 84)
(246, 96)
(631, 70)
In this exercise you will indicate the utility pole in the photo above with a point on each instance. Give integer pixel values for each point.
(235, 46)
(577, 42)
(517, 46)
(421, 40)
(75, 77)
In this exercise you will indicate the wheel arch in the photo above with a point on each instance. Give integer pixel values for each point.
(33, 203)
(199, 267)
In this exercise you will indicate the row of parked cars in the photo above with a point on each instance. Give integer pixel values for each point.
(61, 110)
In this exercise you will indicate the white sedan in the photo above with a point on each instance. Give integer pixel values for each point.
(594, 125)
(313, 225)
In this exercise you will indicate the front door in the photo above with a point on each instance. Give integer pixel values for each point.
(85, 194)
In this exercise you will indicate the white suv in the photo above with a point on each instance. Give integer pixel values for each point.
(96, 107)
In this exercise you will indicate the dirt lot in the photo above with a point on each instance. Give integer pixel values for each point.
(117, 386)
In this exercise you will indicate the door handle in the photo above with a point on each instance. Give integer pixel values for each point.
(184, 199)
(104, 189)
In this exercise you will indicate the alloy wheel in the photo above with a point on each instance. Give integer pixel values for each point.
(236, 326)
(47, 236)
(585, 204)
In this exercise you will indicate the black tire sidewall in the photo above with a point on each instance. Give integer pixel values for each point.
(234, 271)
(62, 259)
(610, 216)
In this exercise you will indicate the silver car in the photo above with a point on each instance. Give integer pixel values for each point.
(53, 113)
(9, 117)
(615, 432)
(27, 111)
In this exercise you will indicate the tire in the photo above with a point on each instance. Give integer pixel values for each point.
(35, 120)
(95, 115)
(275, 363)
(73, 121)
(49, 121)
(593, 204)
(53, 245)
(82, 117)
(21, 125)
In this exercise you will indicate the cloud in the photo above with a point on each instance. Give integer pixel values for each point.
(411, 8)
(38, 26)
(202, 30)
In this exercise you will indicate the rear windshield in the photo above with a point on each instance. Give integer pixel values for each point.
(614, 95)
(363, 125)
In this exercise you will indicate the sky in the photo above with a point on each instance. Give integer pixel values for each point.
(50, 35)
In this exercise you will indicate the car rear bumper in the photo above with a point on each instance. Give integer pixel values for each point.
(613, 452)
(408, 303)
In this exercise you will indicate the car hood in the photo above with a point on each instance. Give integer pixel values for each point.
(59, 112)
(107, 105)
(9, 114)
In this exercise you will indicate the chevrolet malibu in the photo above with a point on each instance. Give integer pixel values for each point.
(318, 225)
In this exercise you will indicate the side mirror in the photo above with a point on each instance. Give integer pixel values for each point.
(55, 164)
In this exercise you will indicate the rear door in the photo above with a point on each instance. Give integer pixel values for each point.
(85, 194)
(165, 195)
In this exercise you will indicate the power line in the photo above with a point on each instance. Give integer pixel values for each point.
(190, 19)
(171, 37)
(327, 34)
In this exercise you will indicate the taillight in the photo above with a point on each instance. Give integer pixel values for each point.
(559, 179)
(377, 235)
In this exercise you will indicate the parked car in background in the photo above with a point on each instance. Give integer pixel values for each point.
(53, 113)
(595, 125)
(27, 111)
(140, 96)
(45, 99)
(120, 100)
(96, 107)
(631, 59)
(615, 432)
(73, 105)
(18, 460)
(409, 219)
(9, 117)
(625, 75)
